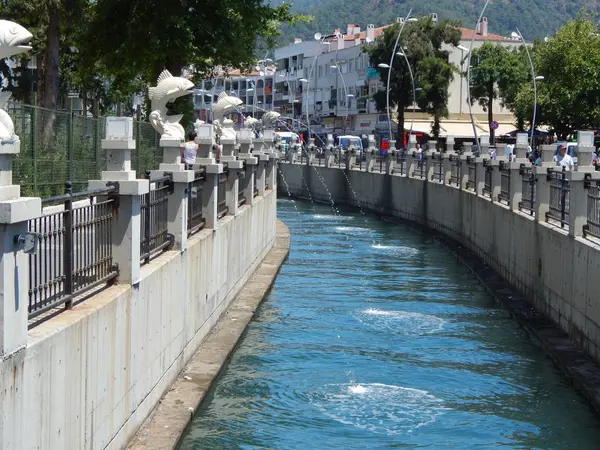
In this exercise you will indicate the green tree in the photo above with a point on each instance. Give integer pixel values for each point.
(495, 71)
(569, 95)
(137, 39)
(422, 43)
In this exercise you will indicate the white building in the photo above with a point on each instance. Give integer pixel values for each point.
(329, 81)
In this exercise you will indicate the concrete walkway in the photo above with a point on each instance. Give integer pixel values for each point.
(164, 427)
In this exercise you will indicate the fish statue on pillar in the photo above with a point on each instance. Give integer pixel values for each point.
(269, 119)
(14, 40)
(168, 88)
(226, 104)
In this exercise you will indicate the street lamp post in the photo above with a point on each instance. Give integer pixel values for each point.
(346, 95)
(387, 99)
(469, 77)
(534, 78)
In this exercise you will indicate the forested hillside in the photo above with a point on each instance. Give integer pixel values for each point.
(535, 18)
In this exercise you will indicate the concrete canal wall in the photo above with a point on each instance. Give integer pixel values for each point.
(557, 269)
(90, 376)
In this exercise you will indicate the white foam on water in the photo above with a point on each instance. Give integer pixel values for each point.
(378, 408)
(352, 230)
(401, 322)
(331, 217)
(398, 250)
(286, 200)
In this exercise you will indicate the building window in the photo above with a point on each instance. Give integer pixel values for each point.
(351, 65)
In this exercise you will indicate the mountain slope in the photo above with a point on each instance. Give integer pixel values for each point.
(535, 18)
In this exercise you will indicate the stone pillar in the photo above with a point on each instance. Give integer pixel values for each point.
(261, 171)
(542, 194)
(480, 173)
(16, 245)
(411, 163)
(450, 143)
(516, 185)
(521, 146)
(126, 225)
(251, 163)
(350, 158)
(206, 145)
(465, 157)
(547, 152)
(210, 195)
(585, 148)
(246, 146)
(447, 166)
(310, 152)
(496, 184)
(233, 186)
(228, 146)
(390, 160)
(412, 142)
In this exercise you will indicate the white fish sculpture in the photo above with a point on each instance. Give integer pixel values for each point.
(227, 131)
(270, 118)
(168, 88)
(226, 104)
(14, 40)
(250, 122)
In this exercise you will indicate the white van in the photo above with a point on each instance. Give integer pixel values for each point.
(287, 138)
(347, 140)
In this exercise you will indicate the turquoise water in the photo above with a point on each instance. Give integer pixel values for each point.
(374, 336)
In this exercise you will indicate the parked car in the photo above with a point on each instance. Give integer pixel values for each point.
(345, 141)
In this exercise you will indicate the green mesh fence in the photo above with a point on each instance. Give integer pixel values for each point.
(57, 146)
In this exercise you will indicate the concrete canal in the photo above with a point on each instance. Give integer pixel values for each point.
(375, 336)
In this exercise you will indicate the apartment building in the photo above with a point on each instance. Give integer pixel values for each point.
(329, 84)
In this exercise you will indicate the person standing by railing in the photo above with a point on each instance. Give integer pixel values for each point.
(563, 159)
(189, 151)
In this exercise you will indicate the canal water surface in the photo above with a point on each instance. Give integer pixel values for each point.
(374, 336)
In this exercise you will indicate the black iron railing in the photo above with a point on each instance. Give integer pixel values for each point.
(504, 195)
(487, 178)
(196, 220)
(400, 162)
(438, 167)
(222, 208)
(592, 226)
(255, 184)
(528, 194)
(558, 208)
(74, 252)
(421, 170)
(472, 167)
(154, 233)
(242, 182)
(454, 169)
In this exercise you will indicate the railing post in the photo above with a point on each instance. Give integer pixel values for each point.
(542, 204)
(16, 245)
(126, 225)
(350, 158)
(464, 164)
(68, 244)
(580, 182)
(447, 166)
(520, 160)
(390, 160)
(233, 186)
(428, 157)
(210, 195)
(480, 174)
(411, 163)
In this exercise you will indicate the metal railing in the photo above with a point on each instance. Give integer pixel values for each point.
(421, 169)
(528, 194)
(59, 145)
(504, 195)
(487, 178)
(242, 182)
(472, 167)
(455, 167)
(558, 207)
(222, 208)
(400, 162)
(154, 214)
(74, 248)
(196, 220)
(592, 227)
(438, 167)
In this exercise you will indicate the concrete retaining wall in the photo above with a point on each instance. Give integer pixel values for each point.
(561, 274)
(90, 376)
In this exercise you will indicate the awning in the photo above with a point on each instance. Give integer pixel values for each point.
(419, 126)
(460, 129)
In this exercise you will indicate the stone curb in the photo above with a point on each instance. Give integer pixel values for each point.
(167, 423)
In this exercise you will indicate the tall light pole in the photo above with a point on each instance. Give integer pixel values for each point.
(469, 76)
(321, 39)
(534, 78)
(387, 98)
(336, 67)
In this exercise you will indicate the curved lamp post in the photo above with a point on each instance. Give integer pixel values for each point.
(389, 67)
(469, 76)
(534, 78)
(336, 67)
